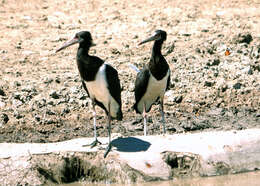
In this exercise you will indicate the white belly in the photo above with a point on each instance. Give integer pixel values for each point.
(154, 90)
(98, 89)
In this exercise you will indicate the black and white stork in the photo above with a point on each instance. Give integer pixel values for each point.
(153, 80)
(100, 80)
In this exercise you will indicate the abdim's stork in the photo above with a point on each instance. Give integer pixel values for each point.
(153, 80)
(100, 80)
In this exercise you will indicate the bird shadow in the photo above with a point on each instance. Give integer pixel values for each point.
(130, 144)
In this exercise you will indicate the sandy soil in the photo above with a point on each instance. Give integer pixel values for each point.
(41, 98)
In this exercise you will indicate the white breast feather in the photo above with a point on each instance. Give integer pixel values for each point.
(98, 90)
(154, 90)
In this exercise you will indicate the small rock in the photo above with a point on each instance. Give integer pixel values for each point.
(224, 88)
(178, 99)
(16, 103)
(50, 121)
(186, 34)
(250, 71)
(74, 90)
(210, 50)
(115, 51)
(131, 87)
(243, 38)
(17, 115)
(170, 48)
(208, 84)
(17, 84)
(41, 102)
(204, 30)
(214, 63)
(47, 80)
(17, 95)
(256, 67)
(237, 86)
(83, 96)
(27, 52)
(2, 93)
(216, 112)
(220, 13)
(51, 103)
(189, 125)
(54, 95)
(29, 89)
(198, 50)
(2, 104)
(27, 18)
(49, 112)
(3, 119)
(65, 111)
(174, 60)
(57, 80)
(37, 118)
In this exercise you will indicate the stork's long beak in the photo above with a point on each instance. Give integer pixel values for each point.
(69, 43)
(152, 38)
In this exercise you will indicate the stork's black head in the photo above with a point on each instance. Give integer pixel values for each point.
(159, 35)
(83, 38)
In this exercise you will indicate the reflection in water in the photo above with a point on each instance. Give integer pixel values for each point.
(245, 179)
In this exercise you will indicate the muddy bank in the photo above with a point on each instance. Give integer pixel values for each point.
(159, 158)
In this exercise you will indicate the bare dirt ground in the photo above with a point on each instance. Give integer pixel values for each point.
(41, 98)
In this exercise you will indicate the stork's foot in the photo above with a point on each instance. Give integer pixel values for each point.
(163, 130)
(93, 144)
(108, 149)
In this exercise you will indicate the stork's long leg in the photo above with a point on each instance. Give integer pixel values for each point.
(94, 120)
(95, 142)
(109, 146)
(145, 119)
(162, 114)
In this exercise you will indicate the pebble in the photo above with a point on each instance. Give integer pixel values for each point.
(178, 99)
(65, 111)
(74, 90)
(244, 38)
(54, 95)
(17, 115)
(3, 119)
(215, 62)
(2, 104)
(16, 103)
(2, 93)
(208, 84)
(237, 86)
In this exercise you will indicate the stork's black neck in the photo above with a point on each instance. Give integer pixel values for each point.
(158, 65)
(157, 47)
(88, 65)
(84, 46)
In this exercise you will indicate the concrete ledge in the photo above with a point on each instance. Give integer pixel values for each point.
(148, 158)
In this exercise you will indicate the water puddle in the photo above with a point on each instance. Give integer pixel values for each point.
(245, 179)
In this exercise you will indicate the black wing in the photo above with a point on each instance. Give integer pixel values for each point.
(141, 84)
(113, 83)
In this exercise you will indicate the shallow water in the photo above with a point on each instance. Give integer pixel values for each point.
(245, 179)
